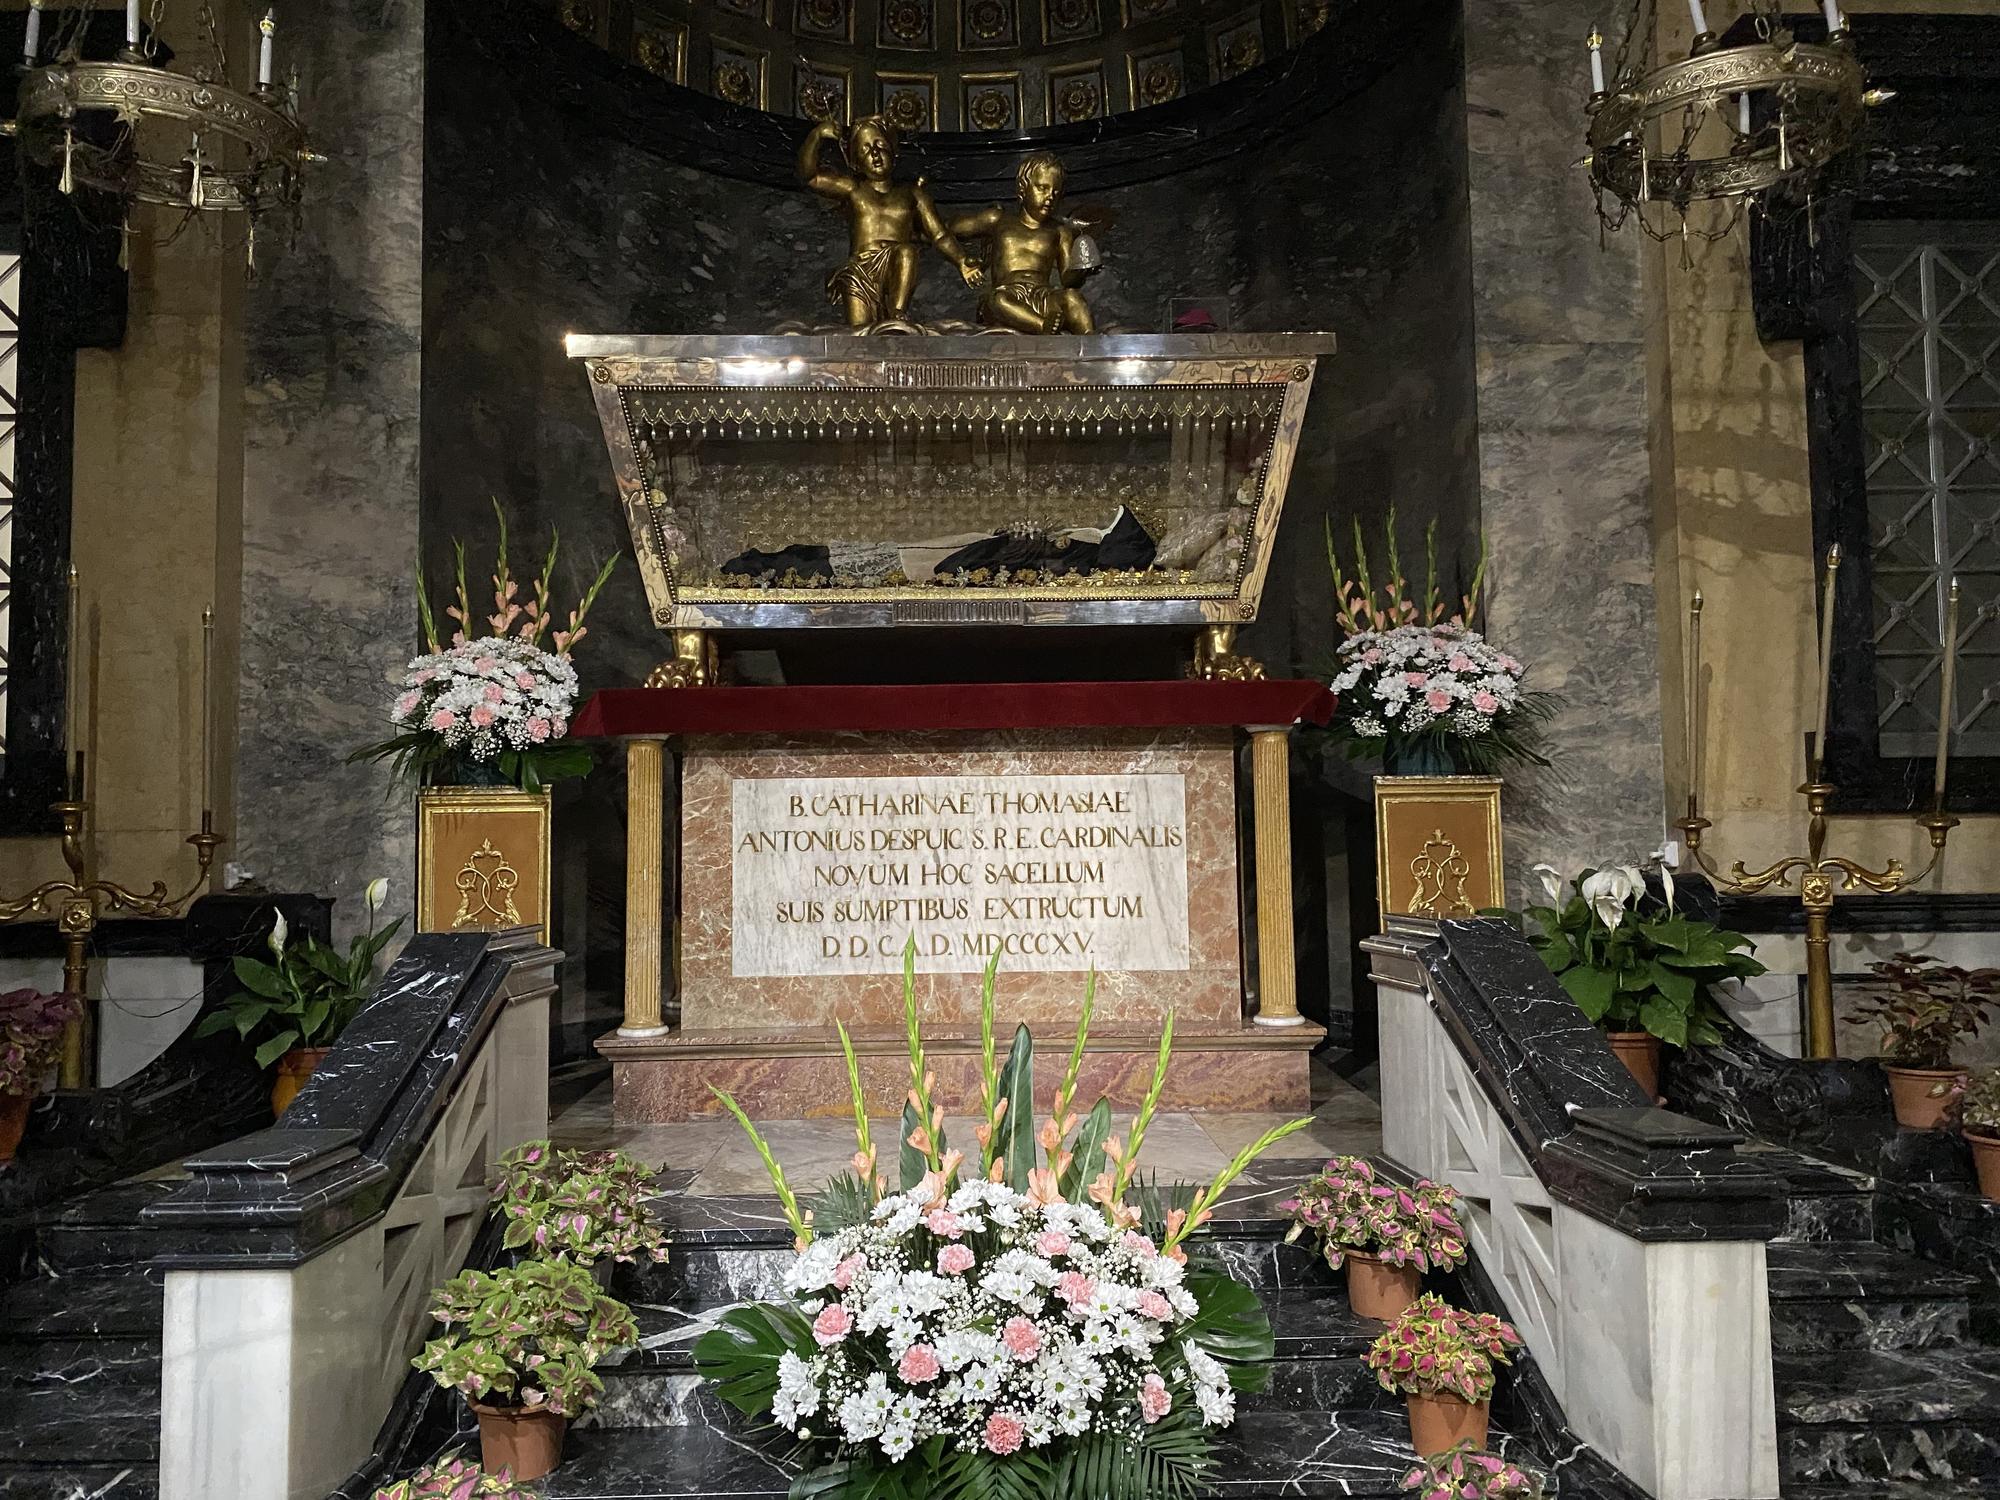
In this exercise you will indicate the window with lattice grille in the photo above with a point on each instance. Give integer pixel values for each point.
(1929, 321)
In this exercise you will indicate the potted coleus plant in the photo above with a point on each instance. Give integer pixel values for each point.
(1923, 1008)
(522, 1343)
(586, 1206)
(1440, 1359)
(296, 1006)
(1637, 966)
(479, 724)
(452, 1478)
(1385, 1234)
(1421, 689)
(1979, 1118)
(31, 1031)
(1466, 1473)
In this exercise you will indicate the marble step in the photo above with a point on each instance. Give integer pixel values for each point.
(90, 1400)
(1311, 1455)
(101, 1230)
(65, 1481)
(1874, 1414)
(125, 1304)
(1859, 1295)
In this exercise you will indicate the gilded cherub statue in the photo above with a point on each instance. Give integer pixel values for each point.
(884, 219)
(1036, 261)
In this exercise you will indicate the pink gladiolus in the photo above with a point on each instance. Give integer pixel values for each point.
(1003, 1434)
(1051, 1243)
(918, 1364)
(955, 1260)
(832, 1324)
(1022, 1339)
(1153, 1399)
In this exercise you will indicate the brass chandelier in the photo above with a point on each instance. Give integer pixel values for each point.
(140, 131)
(1759, 121)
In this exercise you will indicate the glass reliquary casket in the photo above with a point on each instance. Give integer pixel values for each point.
(787, 482)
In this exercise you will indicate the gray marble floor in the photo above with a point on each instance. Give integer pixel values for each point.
(1178, 1147)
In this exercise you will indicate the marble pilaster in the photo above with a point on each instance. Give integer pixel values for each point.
(1565, 492)
(331, 417)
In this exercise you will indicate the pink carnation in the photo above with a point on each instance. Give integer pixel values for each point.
(943, 1223)
(1154, 1306)
(1460, 662)
(1485, 702)
(1003, 1434)
(1052, 1242)
(407, 702)
(832, 1324)
(1438, 699)
(444, 718)
(482, 716)
(524, 680)
(1416, 679)
(918, 1364)
(1074, 1287)
(955, 1260)
(538, 729)
(491, 692)
(1022, 1338)
(1139, 1244)
(1153, 1398)
(424, 676)
(844, 1273)
(484, 664)
(1372, 655)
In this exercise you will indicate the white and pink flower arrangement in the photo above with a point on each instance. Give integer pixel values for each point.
(491, 710)
(1423, 690)
(1006, 1323)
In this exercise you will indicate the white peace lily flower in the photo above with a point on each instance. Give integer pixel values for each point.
(1552, 881)
(279, 932)
(1607, 891)
(1667, 884)
(376, 894)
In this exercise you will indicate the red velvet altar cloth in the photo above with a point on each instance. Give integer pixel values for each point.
(648, 712)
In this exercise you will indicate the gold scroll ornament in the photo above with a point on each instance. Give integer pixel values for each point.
(1437, 845)
(482, 859)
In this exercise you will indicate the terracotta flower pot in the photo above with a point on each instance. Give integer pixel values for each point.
(1439, 1423)
(526, 1441)
(1376, 1289)
(1640, 1052)
(294, 1068)
(1986, 1162)
(13, 1122)
(1922, 1096)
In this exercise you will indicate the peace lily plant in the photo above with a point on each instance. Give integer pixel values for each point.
(1634, 963)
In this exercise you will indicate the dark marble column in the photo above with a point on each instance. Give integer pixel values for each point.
(1565, 494)
(330, 462)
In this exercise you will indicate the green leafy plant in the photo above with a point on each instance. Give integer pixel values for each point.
(1466, 1472)
(309, 991)
(1347, 1208)
(1631, 960)
(1979, 1104)
(31, 1032)
(1437, 1349)
(581, 1205)
(1924, 1007)
(526, 1335)
(452, 1478)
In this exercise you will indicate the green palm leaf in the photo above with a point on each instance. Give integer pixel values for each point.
(739, 1356)
(1231, 1327)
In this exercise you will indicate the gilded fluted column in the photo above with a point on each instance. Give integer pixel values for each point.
(645, 885)
(1277, 957)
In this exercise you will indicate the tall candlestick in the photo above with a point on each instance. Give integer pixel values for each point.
(1694, 725)
(267, 39)
(132, 24)
(207, 706)
(31, 49)
(1700, 17)
(1947, 683)
(1835, 21)
(1596, 44)
(1825, 661)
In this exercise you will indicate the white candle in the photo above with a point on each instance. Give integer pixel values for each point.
(268, 33)
(32, 48)
(74, 691)
(132, 24)
(1835, 21)
(1825, 660)
(1596, 62)
(1700, 17)
(207, 704)
(1742, 114)
(1945, 694)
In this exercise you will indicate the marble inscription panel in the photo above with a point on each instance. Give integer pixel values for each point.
(1057, 874)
